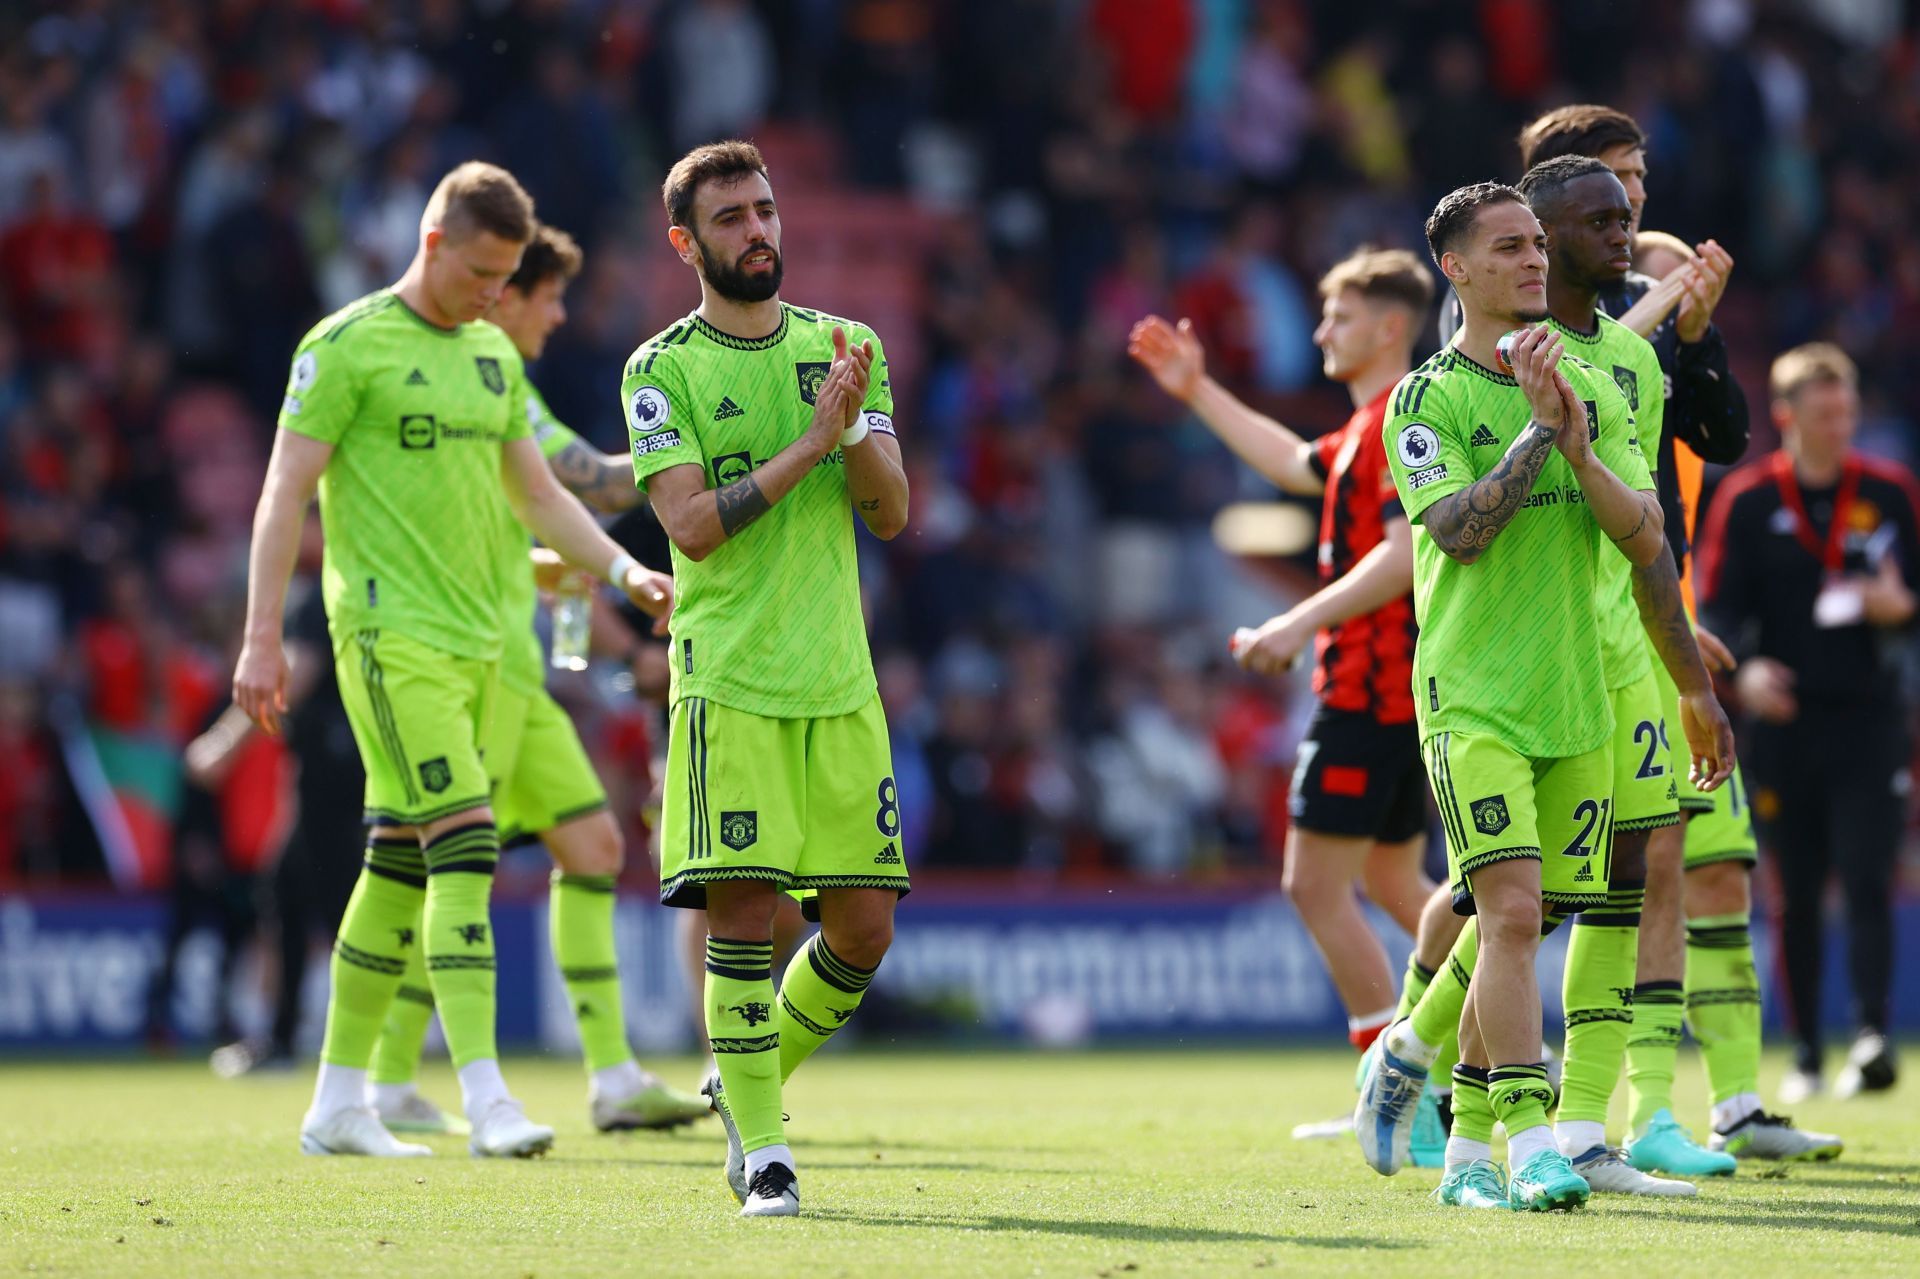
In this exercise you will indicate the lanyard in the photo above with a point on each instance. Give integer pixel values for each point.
(1831, 554)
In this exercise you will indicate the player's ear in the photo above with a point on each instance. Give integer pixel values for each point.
(1453, 268)
(432, 240)
(682, 242)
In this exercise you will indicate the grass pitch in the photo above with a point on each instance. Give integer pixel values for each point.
(923, 1164)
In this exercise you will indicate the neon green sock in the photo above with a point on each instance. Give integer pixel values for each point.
(1436, 1018)
(1658, 1007)
(1412, 986)
(1472, 1104)
(580, 926)
(744, 1037)
(1520, 1096)
(1598, 993)
(460, 938)
(818, 993)
(380, 928)
(1723, 1003)
(396, 1058)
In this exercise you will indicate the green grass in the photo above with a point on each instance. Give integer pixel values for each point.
(949, 1164)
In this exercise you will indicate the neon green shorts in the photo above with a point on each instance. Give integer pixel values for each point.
(1723, 833)
(541, 774)
(1692, 798)
(1498, 804)
(419, 715)
(1644, 795)
(805, 803)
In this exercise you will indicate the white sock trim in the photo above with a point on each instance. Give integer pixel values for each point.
(1577, 1136)
(1734, 1109)
(1372, 1020)
(758, 1159)
(1464, 1150)
(1525, 1145)
(622, 1079)
(338, 1088)
(389, 1094)
(481, 1084)
(1407, 1046)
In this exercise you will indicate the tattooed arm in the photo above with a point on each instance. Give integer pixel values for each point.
(1656, 590)
(1464, 524)
(604, 481)
(698, 519)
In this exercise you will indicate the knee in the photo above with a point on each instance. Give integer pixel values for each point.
(1720, 888)
(594, 847)
(861, 942)
(1632, 855)
(1393, 873)
(1311, 884)
(1509, 914)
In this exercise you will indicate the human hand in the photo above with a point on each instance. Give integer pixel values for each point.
(1709, 734)
(651, 593)
(260, 682)
(1713, 653)
(1574, 439)
(1766, 688)
(1273, 647)
(1706, 284)
(1535, 356)
(1884, 597)
(1646, 315)
(1173, 355)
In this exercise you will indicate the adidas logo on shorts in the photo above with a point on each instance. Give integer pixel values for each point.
(1585, 874)
(888, 856)
(1484, 438)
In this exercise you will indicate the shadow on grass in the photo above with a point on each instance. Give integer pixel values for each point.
(1804, 1214)
(1125, 1231)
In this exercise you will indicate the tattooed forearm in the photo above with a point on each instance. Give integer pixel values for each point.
(603, 481)
(1464, 524)
(1637, 527)
(740, 504)
(1656, 590)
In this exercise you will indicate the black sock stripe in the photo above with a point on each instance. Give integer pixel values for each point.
(397, 876)
(1710, 998)
(1607, 919)
(446, 963)
(606, 973)
(1529, 1070)
(1459, 972)
(485, 831)
(825, 970)
(585, 883)
(1420, 970)
(1465, 1076)
(809, 1023)
(740, 974)
(386, 965)
(765, 1043)
(415, 995)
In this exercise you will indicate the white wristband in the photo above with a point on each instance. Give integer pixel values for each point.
(618, 569)
(857, 432)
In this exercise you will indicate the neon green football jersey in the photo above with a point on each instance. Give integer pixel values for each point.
(523, 667)
(770, 622)
(1510, 644)
(409, 501)
(1616, 349)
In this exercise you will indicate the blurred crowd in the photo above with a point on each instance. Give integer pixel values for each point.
(1001, 186)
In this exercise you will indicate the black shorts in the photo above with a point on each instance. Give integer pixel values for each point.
(1358, 777)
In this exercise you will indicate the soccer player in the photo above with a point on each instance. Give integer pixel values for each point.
(1585, 210)
(408, 414)
(1810, 561)
(544, 784)
(1709, 945)
(1506, 484)
(1358, 800)
(757, 430)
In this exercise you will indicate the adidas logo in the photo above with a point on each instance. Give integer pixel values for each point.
(1483, 438)
(1585, 874)
(416, 378)
(889, 856)
(727, 409)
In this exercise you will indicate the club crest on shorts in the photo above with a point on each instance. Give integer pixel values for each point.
(490, 375)
(436, 774)
(1490, 814)
(811, 374)
(739, 828)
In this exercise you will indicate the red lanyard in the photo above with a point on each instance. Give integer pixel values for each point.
(1831, 554)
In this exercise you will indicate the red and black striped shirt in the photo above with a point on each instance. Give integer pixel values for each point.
(1364, 664)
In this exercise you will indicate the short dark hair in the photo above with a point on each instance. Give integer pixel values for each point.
(1459, 209)
(476, 197)
(716, 162)
(1584, 129)
(1546, 182)
(1385, 275)
(551, 254)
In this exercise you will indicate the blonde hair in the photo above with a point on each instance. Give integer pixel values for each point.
(1815, 362)
(479, 197)
(1386, 275)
